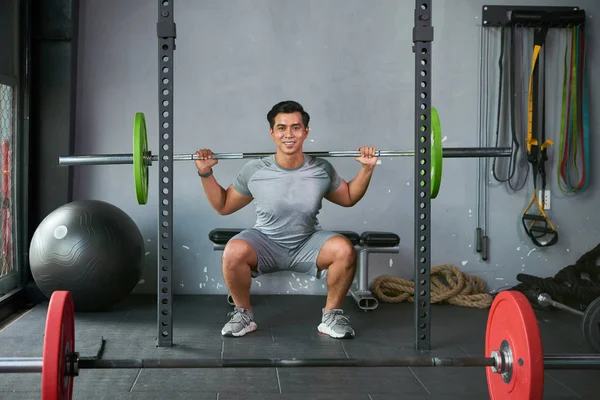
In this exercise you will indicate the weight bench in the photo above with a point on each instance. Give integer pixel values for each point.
(368, 242)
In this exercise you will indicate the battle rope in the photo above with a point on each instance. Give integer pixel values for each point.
(537, 157)
(576, 285)
(448, 285)
(574, 116)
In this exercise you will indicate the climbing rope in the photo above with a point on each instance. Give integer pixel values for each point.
(448, 285)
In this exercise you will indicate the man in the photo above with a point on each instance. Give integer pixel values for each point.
(287, 188)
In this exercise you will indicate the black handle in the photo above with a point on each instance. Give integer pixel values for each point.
(484, 253)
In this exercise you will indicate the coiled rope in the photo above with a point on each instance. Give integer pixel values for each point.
(448, 285)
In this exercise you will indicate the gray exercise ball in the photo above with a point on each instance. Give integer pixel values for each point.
(92, 249)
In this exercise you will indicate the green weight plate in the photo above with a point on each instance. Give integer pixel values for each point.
(590, 325)
(436, 153)
(140, 165)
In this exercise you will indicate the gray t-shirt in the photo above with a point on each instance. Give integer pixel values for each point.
(287, 200)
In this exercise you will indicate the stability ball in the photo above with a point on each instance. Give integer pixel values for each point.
(92, 249)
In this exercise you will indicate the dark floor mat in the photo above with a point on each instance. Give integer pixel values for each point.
(287, 328)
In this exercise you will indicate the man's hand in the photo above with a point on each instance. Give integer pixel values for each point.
(206, 162)
(367, 156)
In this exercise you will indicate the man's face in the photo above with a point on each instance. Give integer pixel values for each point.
(289, 132)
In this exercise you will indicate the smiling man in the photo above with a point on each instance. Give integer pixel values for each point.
(288, 189)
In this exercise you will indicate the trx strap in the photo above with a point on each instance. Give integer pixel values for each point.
(574, 116)
(537, 156)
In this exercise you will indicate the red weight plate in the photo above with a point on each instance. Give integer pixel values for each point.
(512, 320)
(59, 341)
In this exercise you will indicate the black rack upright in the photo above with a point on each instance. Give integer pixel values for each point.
(166, 33)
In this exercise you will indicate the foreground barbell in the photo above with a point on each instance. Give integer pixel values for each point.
(590, 319)
(514, 364)
(142, 157)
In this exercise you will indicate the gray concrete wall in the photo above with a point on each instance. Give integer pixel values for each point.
(349, 62)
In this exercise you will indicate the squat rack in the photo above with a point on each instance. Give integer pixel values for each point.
(422, 38)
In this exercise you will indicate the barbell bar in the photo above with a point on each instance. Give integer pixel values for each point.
(142, 157)
(514, 364)
(74, 364)
(113, 159)
(590, 319)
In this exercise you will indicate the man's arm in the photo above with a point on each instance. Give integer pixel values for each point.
(225, 202)
(348, 194)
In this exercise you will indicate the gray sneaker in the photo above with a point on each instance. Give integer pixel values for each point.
(336, 325)
(241, 322)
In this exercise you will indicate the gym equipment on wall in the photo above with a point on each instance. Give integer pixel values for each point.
(514, 360)
(536, 222)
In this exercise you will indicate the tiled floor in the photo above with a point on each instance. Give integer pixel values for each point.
(287, 328)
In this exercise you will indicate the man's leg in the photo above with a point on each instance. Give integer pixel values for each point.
(239, 260)
(334, 255)
(247, 254)
(338, 257)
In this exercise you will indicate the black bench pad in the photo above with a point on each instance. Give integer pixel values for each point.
(221, 236)
(379, 239)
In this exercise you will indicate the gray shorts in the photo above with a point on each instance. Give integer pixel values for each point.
(272, 257)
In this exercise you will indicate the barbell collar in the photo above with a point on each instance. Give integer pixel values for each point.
(127, 158)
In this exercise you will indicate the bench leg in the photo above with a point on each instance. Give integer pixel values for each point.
(361, 294)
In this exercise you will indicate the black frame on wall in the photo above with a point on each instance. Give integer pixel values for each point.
(422, 38)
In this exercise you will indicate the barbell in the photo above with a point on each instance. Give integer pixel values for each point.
(590, 319)
(142, 157)
(515, 363)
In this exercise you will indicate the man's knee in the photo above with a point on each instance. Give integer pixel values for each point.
(239, 252)
(338, 248)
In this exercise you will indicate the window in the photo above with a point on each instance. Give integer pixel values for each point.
(8, 267)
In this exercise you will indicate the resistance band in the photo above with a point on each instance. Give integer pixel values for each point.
(574, 126)
(536, 152)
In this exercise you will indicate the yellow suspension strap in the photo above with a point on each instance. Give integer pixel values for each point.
(537, 226)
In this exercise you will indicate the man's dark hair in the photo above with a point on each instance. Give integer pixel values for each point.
(287, 107)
